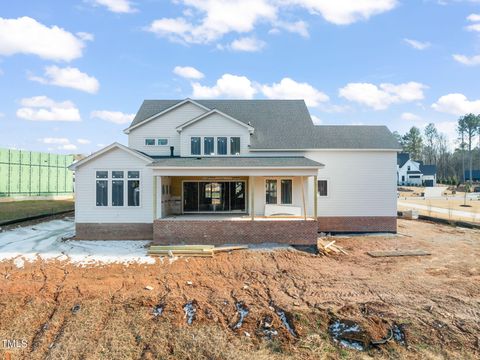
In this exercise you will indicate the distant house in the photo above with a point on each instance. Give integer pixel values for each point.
(410, 172)
(475, 175)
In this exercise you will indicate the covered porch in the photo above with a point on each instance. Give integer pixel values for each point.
(234, 200)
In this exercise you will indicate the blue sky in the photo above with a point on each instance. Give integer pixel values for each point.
(73, 73)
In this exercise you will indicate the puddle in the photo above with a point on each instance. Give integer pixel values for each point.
(158, 310)
(190, 309)
(399, 334)
(286, 319)
(75, 309)
(349, 334)
(242, 311)
(266, 328)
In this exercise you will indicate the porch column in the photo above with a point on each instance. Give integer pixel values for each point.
(154, 197)
(251, 190)
(315, 197)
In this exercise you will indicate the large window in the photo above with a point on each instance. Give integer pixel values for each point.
(271, 192)
(116, 182)
(195, 145)
(208, 145)
(222, 145)
(286, 188)
(322, 188)
(215, 196)
(234, 146)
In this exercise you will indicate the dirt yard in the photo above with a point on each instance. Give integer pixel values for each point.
(64, 311)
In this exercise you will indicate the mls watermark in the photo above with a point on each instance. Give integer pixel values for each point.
(12, 344)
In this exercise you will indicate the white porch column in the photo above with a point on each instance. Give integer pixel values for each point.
(315, 197)
(157, 197)
(304, 203)
(251, 192)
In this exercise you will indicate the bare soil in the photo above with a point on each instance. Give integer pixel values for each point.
(105, 312)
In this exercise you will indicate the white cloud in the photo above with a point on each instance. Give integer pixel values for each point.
(56, 141)
(467, 60)
(410, 117)
(85, 36)
(42, 108)
(27, 36)
(228, 86)
(248, 44)
(68, 77)
(456, 104)
(116, 6)
(474, 27)
(316, 120)
(382, 96)
(188, 72)
(219, 17)
(419, 45)
(290, 89)
(83, 141)
(344, 12)
(68, 147)
(116, 117)
(473, 17)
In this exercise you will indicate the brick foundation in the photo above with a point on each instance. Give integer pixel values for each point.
(218, 232)
(92, 231)
(358, 224)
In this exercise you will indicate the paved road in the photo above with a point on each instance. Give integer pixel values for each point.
(433, 209)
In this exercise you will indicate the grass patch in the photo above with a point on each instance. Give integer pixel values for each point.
(22, 209)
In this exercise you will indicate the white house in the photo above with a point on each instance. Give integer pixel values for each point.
(410, 172)
(236, 171)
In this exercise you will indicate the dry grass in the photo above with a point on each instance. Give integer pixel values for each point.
(21, 209)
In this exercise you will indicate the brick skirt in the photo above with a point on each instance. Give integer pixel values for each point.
(217, 232)
(93, 231)
(357, 224)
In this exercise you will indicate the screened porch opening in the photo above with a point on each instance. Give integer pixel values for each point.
(226, 196)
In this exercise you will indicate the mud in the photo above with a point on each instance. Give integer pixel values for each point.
(431, 304)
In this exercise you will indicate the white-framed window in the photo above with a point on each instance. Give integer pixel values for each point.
(215, 145)
(322, 187)
(149, 142)
(110, 188)
(272, 189)
(162, 141)
(156, 142)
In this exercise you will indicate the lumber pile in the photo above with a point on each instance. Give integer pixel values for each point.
(190, 250)
(327, 247)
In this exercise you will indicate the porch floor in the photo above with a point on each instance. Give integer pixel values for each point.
(231, 217)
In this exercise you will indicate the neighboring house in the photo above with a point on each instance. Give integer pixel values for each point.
(475, 175)
(415, 173)
(236, 171)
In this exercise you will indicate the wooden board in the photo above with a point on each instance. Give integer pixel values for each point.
(393, 253)
(181, 247)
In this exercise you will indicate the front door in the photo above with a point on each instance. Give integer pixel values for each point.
(214, 196)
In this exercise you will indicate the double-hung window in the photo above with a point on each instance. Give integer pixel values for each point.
(117, 188)
(133, 186)
(322, 188)
(271, 191)
(195, 145)
(286, 191)
(102, 188)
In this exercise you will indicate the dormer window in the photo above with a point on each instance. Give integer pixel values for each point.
(214, 145)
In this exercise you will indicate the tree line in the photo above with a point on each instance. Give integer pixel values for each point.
(432, 147)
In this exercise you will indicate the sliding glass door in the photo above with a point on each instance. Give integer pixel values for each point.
(214, 196)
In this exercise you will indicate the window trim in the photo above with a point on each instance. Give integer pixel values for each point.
(110, 180)
(163, 138)
(156, 140)
(279, 189)
(329, 189)
(201, 145)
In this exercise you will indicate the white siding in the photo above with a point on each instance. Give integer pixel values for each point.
(360, 183)
(163, 127)
(86, 210)
(259, 192)
(215, 125)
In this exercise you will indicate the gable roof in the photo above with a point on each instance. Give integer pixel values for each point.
(131, 151)
(211, 112)
(428, 169)
(402, 159)
(283, 125)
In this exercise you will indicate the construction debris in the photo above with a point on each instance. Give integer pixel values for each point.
(327, 248)
(190, 250)
(394, 253)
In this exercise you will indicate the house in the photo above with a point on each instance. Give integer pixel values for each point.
(415, 173)
(236, 171)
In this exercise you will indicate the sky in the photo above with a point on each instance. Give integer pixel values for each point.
(74, 73)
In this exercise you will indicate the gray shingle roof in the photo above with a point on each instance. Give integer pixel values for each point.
(236, 161)
(402, 158)
(285, 124)
(428, 169)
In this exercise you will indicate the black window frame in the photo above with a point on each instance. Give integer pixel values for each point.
(322, 190)
(206, 146)
(224, 140)
(103, 200)
(149, 140)
(268, 192)
(232, 148)
(284, 191)
(199, 140)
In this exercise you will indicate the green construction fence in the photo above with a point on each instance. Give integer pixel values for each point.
(30, 173)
